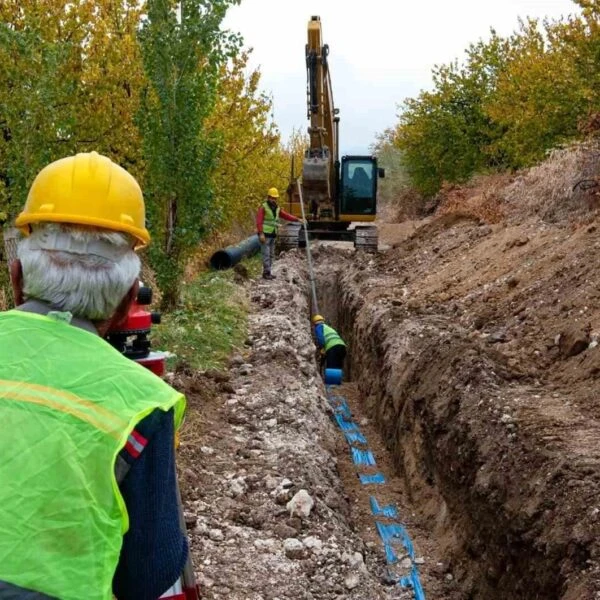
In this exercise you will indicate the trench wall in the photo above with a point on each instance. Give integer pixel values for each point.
(438, 399)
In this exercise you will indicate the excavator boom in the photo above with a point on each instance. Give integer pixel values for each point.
(319, 177)
(335, 193)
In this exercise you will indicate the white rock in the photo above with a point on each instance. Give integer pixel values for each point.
(293, 548)
(313, 543)
(216, 535)
(352, 581)
(267, 544)
(204, 581)
(301, 504)
(356, 561)
(201, 528)
(271, 482)
(237, 486)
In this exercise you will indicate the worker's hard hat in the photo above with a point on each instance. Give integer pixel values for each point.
(317, 319)
(86, 189)
(273, 193)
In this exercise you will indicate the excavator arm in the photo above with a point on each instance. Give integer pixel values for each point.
(320, 168)
(339, 197)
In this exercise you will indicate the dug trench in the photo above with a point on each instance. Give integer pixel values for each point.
(470, 368)
(495, 462)
(267, 513)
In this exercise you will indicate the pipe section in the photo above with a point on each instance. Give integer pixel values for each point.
(230, 256)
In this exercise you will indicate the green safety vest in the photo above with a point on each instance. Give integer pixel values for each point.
(332, 337)
(68, 404)
(271, 222)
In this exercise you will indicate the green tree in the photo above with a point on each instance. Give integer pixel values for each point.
(445, 134)
(510, 102)
(538, 99)
(183, 49)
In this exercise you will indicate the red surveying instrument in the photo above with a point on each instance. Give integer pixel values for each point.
(131, 338)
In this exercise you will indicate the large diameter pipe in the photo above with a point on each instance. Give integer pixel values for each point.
(230, 256)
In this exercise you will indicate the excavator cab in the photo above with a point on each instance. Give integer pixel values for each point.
(358, 188)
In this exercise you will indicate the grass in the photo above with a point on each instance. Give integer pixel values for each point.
(211, 322)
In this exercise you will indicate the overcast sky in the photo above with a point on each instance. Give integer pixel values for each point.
(381, 51)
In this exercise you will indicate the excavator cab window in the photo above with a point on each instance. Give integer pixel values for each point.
(359, 186)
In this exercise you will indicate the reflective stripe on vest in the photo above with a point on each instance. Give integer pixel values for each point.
(271, 222)
(69, 402)
(331, 337)
(175, 592)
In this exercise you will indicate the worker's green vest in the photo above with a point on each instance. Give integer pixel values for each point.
(68, 403)
(332, 338)
(271, 222)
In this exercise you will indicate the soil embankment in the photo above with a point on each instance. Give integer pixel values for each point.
(474, 348)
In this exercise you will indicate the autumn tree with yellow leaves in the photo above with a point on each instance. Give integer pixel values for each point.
(70, 75)
(507, 104)
(251, 158)
(72, 79)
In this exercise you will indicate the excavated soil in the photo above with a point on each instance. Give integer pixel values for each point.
(473, 370)
(256, 435)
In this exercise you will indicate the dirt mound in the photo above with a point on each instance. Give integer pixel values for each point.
(482, 197)
(565, 187)
(553, 190)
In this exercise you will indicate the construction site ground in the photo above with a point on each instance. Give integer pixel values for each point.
(474, 372)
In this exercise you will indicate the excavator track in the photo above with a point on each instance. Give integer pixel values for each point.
(289, 237)
(366, 238)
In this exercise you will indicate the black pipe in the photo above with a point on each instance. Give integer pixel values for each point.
(230, 256)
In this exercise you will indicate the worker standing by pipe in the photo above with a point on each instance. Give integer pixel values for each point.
(267, 224)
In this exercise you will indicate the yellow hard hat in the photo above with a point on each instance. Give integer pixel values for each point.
(317, 318)
(86, 189)
(273, 193)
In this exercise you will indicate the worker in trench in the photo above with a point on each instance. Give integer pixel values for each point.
(331, 346)
(89, 500)
(267, 224)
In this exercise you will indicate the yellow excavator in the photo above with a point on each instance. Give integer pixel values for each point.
(335, 193)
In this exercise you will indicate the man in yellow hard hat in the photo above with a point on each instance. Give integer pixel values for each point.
(330, 343)
(88, 499)
(267, 224)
